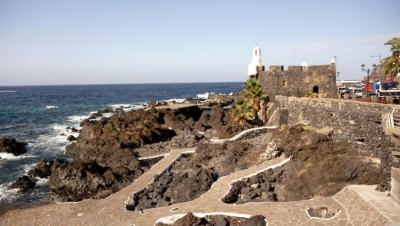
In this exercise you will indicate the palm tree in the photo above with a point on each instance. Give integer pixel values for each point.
(253, 92)
(242, 111)
(395, 43)
(391, 64)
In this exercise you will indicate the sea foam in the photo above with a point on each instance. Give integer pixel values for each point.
(126, 107)
(203, 96)
(77, 118)
(9, 156)
(176, 100)
(51, 106)
(7, 195)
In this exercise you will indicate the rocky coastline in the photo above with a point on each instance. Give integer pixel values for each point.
(111, 152)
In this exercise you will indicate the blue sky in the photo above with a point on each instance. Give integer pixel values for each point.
(101, 42)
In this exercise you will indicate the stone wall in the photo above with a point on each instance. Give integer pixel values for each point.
(364, 125)
(298, 81)
(358, 122)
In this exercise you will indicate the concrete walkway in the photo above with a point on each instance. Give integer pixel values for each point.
(241, 134)
(356, 205)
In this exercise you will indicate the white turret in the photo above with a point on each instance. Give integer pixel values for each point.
(255, 62)
(304, 66)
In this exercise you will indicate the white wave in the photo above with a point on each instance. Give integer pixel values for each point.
(63, 128)
(41, 181)
(7, 91)
(107, 115)
(58, 127)
(54, 141)
(51, 106)
(126, 107)
(77, 118)
(176, 100)
(49, 143)
(203, 96)
(7, 195)
(28, 167)
(9, 156)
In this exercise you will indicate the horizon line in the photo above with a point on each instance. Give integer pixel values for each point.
(99, 84)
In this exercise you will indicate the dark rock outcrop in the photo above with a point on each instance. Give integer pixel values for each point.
(318, 166)
(192, 175)
(122, 131)
(71, 138)
(220, 123)
(44, 168)
(217, 220)
(10, 145)
(260, 187)
(106, 152)
(76, 181)
(189, 219)
(257, 220)
(321, 167)
(24, 183)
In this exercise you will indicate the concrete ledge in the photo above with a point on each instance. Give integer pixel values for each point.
(395, 184)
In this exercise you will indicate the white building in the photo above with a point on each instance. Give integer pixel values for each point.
(255, 62)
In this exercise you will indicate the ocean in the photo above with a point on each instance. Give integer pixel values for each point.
(39, 116)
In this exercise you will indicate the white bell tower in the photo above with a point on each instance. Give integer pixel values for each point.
(255, 62)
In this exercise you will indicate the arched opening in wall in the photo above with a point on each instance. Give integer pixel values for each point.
(283, 83)
(255, 52)
(315, 89)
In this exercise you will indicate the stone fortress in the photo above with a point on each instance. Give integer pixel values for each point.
(373, 127)
(298, 81)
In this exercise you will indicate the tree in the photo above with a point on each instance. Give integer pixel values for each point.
(253, 92)
(391, 64)
(395, 45)
(242, 111)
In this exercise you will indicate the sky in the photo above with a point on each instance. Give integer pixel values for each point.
(54, 42)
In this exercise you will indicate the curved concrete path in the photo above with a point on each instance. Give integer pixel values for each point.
(241, 134)
(357, 205)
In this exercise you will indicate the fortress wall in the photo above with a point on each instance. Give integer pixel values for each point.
(297, 80)
(364, 125)
(358, 122)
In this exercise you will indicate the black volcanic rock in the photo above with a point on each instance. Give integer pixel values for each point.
(71, 138)
(222, 124)
(24, 183)
(257, 220)
(44, 168)
(77, 180)
(188, 219)
(10, 145)
(106, 156)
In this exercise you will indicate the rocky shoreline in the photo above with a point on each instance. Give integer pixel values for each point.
(106, 153)
(111, 152)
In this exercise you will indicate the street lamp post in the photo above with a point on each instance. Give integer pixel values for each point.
(368, 71)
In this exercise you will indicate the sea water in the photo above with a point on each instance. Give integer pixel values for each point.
(39, 116)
